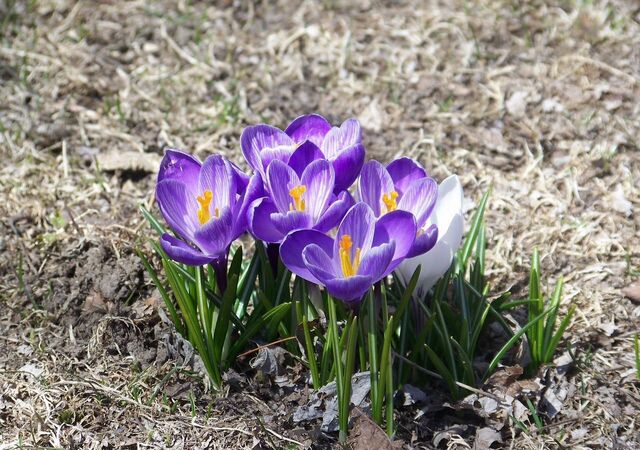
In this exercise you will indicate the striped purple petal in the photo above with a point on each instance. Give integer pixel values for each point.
(318, 178)
(339, 139)
(294, 244)
(183, 253)
(280, 180)
(263, 143)
(419, 199)
(178, 207)
(310, 127)
(358, 224)
(373, 184)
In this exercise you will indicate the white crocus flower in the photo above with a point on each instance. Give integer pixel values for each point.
(447, 215)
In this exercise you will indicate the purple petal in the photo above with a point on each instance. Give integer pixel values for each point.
(319, 178)
(178, 207)
(241, 179)
(218, 177)
(183, 253)
(419, 199)
(291, 221)
(400, 227)
(280, 179)
(349, 289)
(404, 171)
(256, 138)
(347, 166)
(214, 237)
(375, 262)
(178, 165)
(304, 155)
(319, 263)
(335, 212)
(373, 184)
(359, 224)
(338, 139)
(293, 245)
(253, 191)
(260, 223)
(312, 127)
(282, 154)
(424, 242)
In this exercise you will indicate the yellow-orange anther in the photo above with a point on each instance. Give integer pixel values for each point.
(296, 194)
(389, 201)
(349, 266)
(204, 213)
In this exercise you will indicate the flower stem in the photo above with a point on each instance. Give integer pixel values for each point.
(373, 360)
(337, 363)
(220, 268)
(273, 253)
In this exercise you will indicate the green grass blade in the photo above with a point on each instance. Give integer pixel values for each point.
(550, 323)
(173, 313)
(372, 334)
(553, 344)
(469, 377)
(275, 314)
(510, 343)
(442, 370)
(385, 357)
(636, 348)
(476, 224)
(155, 224)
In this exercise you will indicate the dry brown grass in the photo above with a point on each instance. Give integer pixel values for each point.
(539, 100)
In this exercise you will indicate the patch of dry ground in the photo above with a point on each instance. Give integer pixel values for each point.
(540, 100)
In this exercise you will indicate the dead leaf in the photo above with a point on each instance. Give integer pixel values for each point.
(632, 292)
(505, 376)
(485, 438)
(367, 435)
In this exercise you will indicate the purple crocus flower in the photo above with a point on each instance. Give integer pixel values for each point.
(403, 186)
(307, 138)
(363, 251)
(205, 204)
(297, 202)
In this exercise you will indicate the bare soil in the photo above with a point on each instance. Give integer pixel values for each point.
(540, 100)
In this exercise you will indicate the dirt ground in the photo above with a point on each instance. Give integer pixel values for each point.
(542, 101)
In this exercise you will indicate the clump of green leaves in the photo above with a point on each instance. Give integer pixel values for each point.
(544, 336)
(215, 319)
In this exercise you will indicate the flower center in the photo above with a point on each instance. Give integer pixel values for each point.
(296, 194)
(349, 266)
(389, 201)
(204, 213)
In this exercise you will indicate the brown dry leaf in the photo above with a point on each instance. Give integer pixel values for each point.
(95, 303)
(506, 376)
(367, 435)
(632, 292)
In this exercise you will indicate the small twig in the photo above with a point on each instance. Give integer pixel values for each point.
(462, 385)
(279, 341)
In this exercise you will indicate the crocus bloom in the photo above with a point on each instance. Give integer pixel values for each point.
(205, 204)
(402, 185)
(449, 219)
(363, 251)
(307, 138)
(297, 202)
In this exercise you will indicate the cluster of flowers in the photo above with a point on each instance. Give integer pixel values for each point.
(298, 198)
